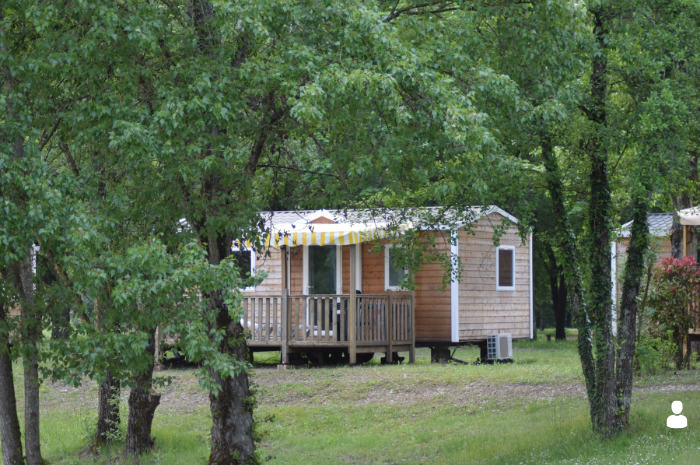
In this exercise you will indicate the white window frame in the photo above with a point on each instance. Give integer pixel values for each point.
(387, 261)
(338, 269)
(252, 265)
(498, 249)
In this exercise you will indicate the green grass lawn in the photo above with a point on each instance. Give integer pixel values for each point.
(530, 412)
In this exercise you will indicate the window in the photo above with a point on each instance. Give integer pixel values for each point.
(245, 260)
(505, 268)
(393, 275)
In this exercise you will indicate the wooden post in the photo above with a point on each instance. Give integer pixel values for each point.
(390, 329)
(285, 327)
(283, 263)
(352, 313)
(412, 352)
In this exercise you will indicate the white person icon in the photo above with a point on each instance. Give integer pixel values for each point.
(677, 420)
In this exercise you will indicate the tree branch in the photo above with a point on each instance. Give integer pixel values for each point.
(412, 9)
(298, 169)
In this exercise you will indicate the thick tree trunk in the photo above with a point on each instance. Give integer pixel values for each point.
(626, 336)
(10, 433)
(108, 417)
(600, 304)
(142, 408)
(232, 413)
(602, 394)
(232, 408)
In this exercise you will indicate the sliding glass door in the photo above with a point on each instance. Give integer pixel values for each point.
(322, 265)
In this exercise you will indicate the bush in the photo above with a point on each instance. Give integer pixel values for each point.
(676, 285)
(653, 354)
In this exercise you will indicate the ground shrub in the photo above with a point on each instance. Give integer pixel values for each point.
(653, 355)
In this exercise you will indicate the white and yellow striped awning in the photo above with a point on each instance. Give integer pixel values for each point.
(328, 234)
(690, 216)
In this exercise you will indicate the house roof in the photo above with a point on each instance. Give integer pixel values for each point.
(423, 217)
(345, 227)
(659, 225)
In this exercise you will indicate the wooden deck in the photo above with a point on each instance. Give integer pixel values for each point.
(359, 323)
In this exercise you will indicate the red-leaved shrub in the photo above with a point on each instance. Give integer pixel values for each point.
(674, 296)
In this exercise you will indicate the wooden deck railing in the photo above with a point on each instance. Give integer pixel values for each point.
(324, 321)
(377, 325)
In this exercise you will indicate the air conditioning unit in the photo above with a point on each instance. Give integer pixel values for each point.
(499, 347)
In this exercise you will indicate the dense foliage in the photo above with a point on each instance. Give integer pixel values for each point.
(139, 139)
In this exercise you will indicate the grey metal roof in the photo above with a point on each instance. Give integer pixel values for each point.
(659, 225)
(422, 215)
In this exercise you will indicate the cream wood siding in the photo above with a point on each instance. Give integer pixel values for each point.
(270, 261)
(482, 309)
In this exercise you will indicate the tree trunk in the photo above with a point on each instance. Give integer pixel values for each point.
(557, 285)
(626, 333)
(567, 247)
(684, 201)
(31, 324)
(108, 417)
(142, 408)
(232, 408)
(600, 305)
(23, 275)
(232, 425)
(232, 413)
(640, 311)
(9, 423)
(60, 323)
(599, 224)
(560, 309)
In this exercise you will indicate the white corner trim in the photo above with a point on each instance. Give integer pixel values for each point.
(483, 213)
(314, 216)
(338, 269)
(613, 276)
(358, 267)
(387, 287)
(494, 209)
(505, 288)
(252, 266)
(532, 292)
(454, 288)
(305, 270)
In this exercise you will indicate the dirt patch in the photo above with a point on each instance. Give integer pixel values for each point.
(334, 387)
(299, 388)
